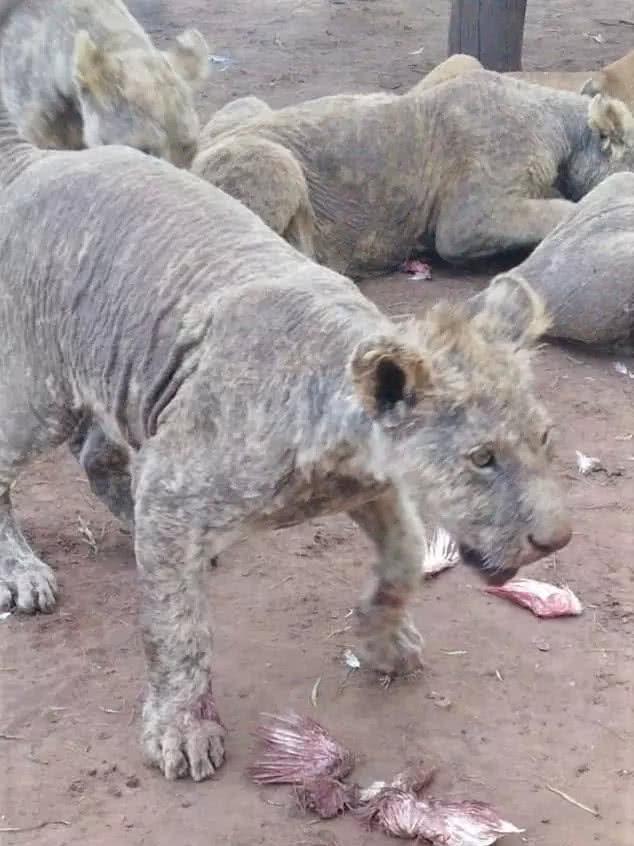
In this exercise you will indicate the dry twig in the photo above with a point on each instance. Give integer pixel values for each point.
(86, 533)
(13, 829)
(572, 801)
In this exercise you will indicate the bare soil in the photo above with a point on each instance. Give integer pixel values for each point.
(533, 703)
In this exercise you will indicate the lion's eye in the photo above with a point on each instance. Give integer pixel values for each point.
(482, 456)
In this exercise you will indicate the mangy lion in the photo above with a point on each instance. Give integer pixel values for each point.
(83, 73)
(614, 80)
(236, 395)
(467, 167)
(584, 269)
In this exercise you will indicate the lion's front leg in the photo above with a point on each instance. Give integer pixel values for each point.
(390, 643)
(486, 226)
(182, 731)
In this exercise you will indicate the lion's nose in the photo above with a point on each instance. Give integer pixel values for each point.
(556, 539)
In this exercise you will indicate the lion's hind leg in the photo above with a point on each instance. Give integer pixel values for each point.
(268, 179)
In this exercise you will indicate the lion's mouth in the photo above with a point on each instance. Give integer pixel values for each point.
(475, 559)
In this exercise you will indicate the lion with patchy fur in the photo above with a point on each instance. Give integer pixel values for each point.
(466, 167)
(584, 270)
(83, 73)
(614, 80)
(229, 395)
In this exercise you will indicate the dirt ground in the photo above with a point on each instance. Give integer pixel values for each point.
(533, 703)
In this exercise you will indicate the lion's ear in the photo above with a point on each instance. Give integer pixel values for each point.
(385, 373)
(591, 87)
(510, 310)
(190, 57)
(613, 121)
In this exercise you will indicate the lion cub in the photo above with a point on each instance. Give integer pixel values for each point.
(84, 73)
(613, 80)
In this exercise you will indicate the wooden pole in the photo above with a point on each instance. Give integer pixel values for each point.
(490, 30)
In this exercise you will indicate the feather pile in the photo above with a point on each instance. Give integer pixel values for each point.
(440, 553)
(542, 599)
(299, 751)
(403, 814)
(296, 750)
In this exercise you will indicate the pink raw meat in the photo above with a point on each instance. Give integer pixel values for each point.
(542, 599)
(419, 269)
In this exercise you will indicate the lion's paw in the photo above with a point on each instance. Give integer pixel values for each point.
(183, 744)
(392, 650)
(26, 584)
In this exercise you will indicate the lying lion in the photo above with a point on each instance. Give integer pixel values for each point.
(614, 80)
(467, 167)
(585, 268)
(82, 73)
(227, 385)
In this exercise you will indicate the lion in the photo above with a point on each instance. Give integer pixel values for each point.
(584, 270)
(614, 80)
(456, 65)
(225, 395)
(83, 73)
(466, 167)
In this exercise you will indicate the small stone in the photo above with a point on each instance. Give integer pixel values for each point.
(439, 700)
(132, 782)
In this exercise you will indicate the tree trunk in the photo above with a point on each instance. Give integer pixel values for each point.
(490, 30)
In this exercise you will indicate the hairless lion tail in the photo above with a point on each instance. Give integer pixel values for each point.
(16, 154)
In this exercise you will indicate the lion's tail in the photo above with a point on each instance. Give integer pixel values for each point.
(16, 154)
